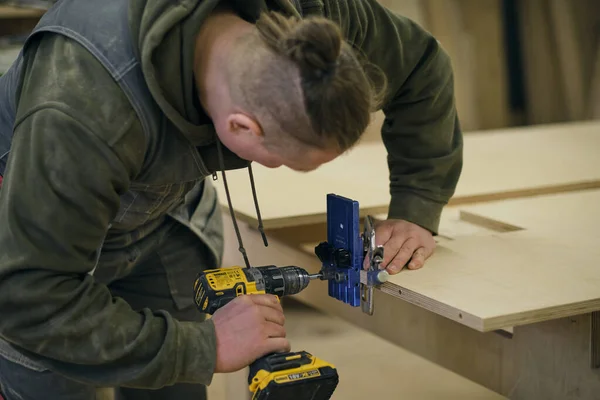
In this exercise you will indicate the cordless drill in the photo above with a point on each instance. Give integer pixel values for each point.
(290, 375)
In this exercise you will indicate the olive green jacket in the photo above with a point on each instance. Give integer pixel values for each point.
(79, 146)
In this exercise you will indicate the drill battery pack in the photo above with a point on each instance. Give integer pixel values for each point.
(292, 376)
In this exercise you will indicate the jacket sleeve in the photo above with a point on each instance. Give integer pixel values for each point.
(421, 131)
(74, 152)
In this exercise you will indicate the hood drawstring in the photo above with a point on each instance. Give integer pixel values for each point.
(232, 212)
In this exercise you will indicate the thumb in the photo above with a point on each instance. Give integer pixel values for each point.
(276, 345)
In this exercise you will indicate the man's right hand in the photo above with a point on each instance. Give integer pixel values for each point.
(248, 328)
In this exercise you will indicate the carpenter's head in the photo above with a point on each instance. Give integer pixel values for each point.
(299, 94)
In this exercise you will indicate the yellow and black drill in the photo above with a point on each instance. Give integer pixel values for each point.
(292, 376)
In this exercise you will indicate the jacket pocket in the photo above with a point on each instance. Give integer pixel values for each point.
(201, 212)
(144, 203)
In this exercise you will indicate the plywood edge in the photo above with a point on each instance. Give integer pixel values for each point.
(445, 310)
(537, 315)
(391, 289)
(298, 220)
(492, 323)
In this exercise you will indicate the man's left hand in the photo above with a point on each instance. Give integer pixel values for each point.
(403, 242)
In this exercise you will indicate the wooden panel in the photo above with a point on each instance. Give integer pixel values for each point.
(509, 279)
(551, 214)
(494, 281)
(546, 270)
(549, 360)
(497, 164)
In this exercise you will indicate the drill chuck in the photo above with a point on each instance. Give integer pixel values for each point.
(215, 288)
(281, 281)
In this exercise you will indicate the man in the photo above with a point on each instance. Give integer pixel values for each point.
(111, 121)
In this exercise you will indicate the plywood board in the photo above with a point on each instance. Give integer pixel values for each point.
(556, 214)
(492, 282)
(544, 268)
(547, 268)
(508, 279)
(497, 165)
(549, 359)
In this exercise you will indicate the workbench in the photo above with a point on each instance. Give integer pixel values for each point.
(511, 297)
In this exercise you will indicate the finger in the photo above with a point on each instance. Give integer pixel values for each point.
(402, 256)
(272, 315)
(273, 330)
(383, 233)
(276, 345)
(418, 258)
(429, 250)
(266, 300)
(391, 248)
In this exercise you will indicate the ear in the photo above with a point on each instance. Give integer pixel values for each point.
(243, 126)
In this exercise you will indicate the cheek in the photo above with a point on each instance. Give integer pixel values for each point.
(269, 160)
(255, 153)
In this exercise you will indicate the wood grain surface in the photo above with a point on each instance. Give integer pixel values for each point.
(577, 213)
(510, 263)
(500, 164)
(546, 268)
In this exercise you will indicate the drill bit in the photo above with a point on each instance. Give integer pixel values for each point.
(315, 276)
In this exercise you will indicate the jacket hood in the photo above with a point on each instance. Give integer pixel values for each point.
(163, 33)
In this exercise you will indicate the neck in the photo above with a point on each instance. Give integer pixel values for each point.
(214, 43)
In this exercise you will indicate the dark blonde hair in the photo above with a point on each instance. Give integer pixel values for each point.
(301, 77)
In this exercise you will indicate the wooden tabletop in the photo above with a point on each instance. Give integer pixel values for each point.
(535, 260)
(541, 264)
(523, 261)
(498, 164)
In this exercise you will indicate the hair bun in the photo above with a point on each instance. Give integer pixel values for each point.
(314, 44)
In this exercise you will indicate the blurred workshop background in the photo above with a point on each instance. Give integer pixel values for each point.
(516, 63)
